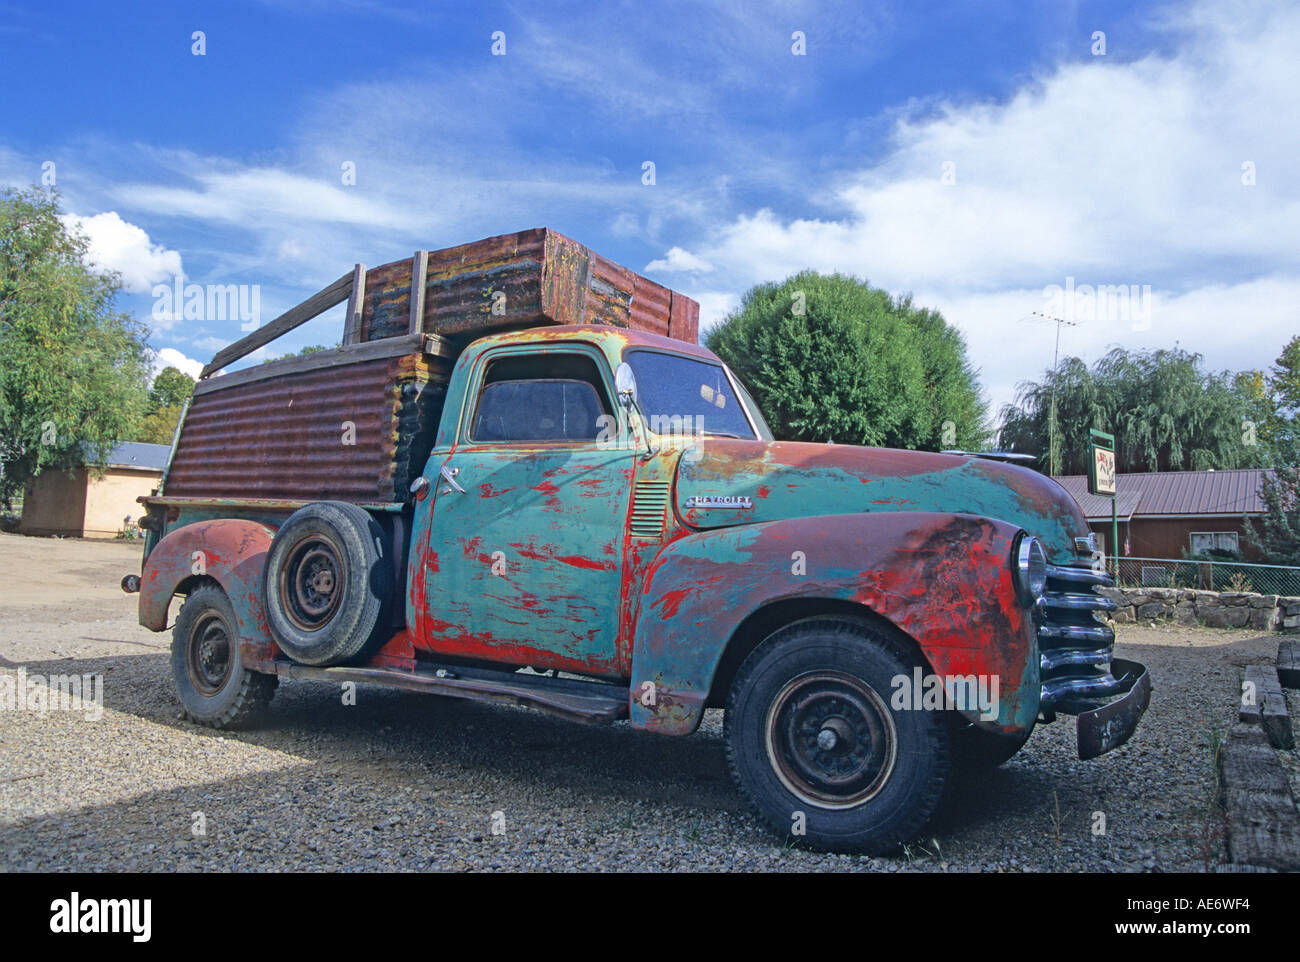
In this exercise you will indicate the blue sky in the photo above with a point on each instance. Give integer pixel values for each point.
(973, 154)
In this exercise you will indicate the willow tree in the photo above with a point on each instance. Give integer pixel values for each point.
(73, 371)
(1167, 414)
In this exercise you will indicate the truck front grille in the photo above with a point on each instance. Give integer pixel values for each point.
(1074, 644)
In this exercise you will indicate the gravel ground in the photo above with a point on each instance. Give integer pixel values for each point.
(403, 781)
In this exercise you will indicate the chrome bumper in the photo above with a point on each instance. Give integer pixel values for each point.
(1078, 673)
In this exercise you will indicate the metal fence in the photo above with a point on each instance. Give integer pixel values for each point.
(1211, 575)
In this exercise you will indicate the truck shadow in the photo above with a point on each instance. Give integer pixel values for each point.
(456, 762)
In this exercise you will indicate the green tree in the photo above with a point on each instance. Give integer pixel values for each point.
(73, 371)
(159, 427)
(171, 388)
(309, 349)
(830, 358)
(1279, 538)
(1167, 414)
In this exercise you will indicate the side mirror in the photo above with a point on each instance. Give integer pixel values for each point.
(625, 388)
(625, 385)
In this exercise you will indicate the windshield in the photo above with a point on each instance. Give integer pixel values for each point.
(686, 395)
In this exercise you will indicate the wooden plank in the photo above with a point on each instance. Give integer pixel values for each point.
(1263, 824)
(1288, 663)
(419, 275)
(1269, 709)
(349, 354)
(356, 302)
(294, 317)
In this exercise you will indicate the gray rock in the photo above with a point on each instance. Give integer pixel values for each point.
(1265, 619)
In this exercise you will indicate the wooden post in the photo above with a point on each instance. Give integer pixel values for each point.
(419, 271)
(356, 304)
(293, 317)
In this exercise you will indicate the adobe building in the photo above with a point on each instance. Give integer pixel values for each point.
(79, 505)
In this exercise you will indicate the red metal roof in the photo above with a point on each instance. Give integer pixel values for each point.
(1234, 492)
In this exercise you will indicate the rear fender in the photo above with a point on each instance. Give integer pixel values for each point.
(943, 579)
(230, 551)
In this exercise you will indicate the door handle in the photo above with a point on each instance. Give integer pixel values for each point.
(448, 474)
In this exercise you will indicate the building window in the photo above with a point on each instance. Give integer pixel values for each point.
(1203, 542)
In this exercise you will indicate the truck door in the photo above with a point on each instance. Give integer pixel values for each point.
(525, 547)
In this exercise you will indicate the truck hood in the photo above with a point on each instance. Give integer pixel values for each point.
(790, 479)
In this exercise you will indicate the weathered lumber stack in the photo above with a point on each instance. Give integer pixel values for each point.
(356, 423)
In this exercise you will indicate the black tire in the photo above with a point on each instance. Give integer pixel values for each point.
(210, 677)
(883, 774)
(327, 584)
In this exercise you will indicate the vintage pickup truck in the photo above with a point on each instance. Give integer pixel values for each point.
(519, 479)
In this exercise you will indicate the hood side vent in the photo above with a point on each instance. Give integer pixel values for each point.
(649, 503)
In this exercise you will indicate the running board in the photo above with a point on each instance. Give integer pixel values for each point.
(585, 701)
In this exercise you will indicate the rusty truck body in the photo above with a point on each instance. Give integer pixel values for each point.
(519, 479)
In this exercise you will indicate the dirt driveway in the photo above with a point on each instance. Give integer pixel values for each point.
(409, 782)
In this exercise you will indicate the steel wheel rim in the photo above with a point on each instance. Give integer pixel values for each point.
(830, 739)
(208, 655)
(310, 588)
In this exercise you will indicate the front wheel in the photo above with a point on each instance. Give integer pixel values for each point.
(214, 686)
(814, 742)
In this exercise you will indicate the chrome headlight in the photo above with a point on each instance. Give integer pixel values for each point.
(1031, 570)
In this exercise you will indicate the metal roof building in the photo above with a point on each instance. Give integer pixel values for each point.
(1166, 514)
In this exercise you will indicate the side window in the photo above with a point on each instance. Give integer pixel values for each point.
(539, 397)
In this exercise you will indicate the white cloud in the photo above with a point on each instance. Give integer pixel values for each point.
(678, 259)
(1107, 171)
(266, 193)
(117, 245)
(213, 344)
(170, 357)
(714, 306)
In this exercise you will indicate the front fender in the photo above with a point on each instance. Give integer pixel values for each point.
(944, 579)
(231, 551)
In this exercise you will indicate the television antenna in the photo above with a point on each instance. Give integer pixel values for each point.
(1056, 355)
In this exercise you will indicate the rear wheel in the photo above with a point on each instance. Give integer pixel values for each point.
(327, 583)
(815, 745)
(210, 677)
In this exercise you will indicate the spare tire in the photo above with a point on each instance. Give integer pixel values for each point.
(327, 584)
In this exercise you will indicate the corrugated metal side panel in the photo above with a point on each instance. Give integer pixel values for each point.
(286, 437)
(532, 277)
(609, 295)
(386, 308)
(465, 283)
(684, 323)
(651, 306)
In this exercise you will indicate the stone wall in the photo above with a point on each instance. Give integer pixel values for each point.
(1214, 609)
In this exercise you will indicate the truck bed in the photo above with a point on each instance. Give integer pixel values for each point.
(356, 423)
